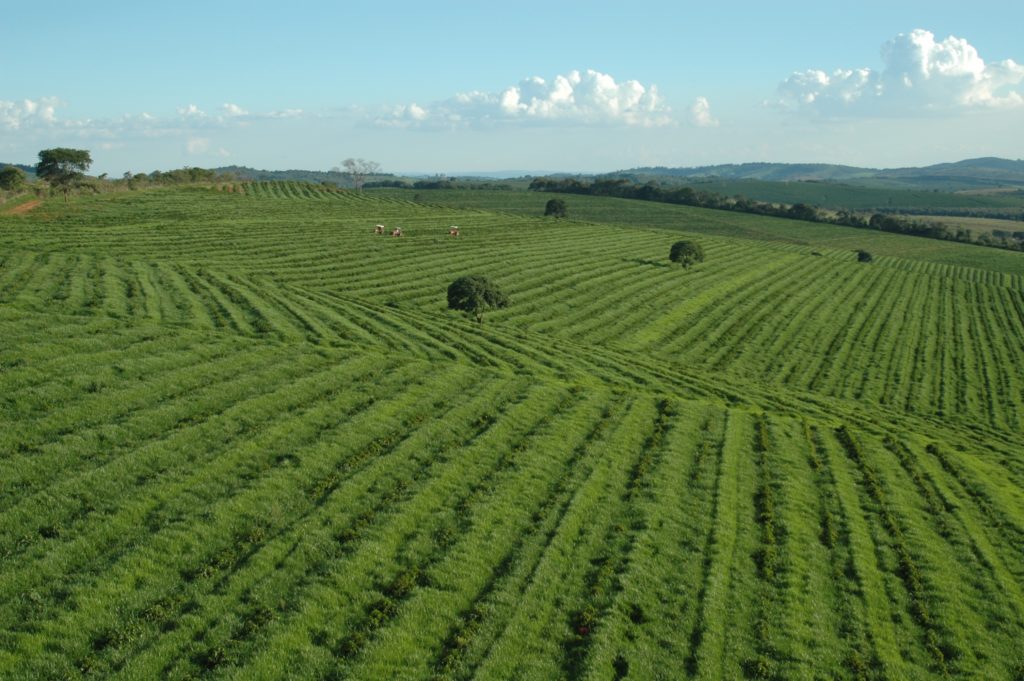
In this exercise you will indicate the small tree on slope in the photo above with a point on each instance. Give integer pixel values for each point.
(686, 253)
(556, 208)
(474, 294)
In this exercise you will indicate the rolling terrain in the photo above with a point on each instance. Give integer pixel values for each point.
(242, 437)
(969, 174)
(962, 192)
(838, 196)
(633, 213)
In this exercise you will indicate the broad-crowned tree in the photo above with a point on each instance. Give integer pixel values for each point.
(63, 168)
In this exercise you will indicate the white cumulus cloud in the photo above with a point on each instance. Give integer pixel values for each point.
(36, 121)
(191, 112)
(579, 98)
(700, 114)
(232, 110)
(28, 112)
(919, 74)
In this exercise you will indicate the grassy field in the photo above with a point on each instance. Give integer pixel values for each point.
(634, 213)
(242, 437)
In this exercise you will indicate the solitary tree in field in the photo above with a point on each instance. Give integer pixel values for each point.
(11, 178)
(359, 169)
(863, 256)
(686, 253)
(556, 208)
(474, 294)
(63, 168)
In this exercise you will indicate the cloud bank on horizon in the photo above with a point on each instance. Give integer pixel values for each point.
(577, 98)
(920, 75)
(42, 113)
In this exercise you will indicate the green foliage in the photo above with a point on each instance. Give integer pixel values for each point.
(686, 253)
(556, 208)
(184, 176)
(63, 168)
(475, 294)
(11, 178)
(863, 256)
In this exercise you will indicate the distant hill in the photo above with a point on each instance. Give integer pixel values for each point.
(28, 170)
(317, 176)
(972, 173)
(341, 179)
(772, 172)
(850, 195)
(978, 173)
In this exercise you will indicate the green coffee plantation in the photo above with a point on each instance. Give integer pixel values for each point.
(242, 437)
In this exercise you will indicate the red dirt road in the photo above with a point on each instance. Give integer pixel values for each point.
(24, 207)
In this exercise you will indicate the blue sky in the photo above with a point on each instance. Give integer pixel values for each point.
(541, 86)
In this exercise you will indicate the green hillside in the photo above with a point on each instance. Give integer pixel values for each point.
(984, 187)
(634, 213)
(243, 437)
(837, 196)
(974, 173)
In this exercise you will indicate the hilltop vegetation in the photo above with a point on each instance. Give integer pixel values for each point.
(989, 188)
(974, 173)
(244, 436)
(841, 196)
(27, 169)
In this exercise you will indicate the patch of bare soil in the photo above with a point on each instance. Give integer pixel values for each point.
(24, 207)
